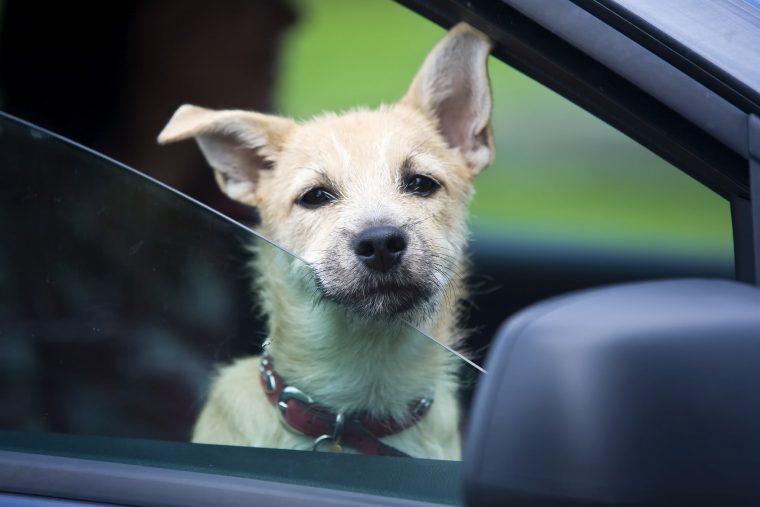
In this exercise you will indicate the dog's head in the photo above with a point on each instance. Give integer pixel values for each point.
(375, 200)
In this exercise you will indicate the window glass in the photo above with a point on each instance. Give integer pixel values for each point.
(127, 309)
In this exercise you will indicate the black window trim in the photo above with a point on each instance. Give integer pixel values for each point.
(120, 483)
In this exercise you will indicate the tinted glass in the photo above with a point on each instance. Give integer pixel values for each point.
(120, 300)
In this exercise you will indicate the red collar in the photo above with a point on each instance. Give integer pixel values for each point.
(330, 430)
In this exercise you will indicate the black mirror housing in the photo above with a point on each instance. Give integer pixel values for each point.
(640, 394)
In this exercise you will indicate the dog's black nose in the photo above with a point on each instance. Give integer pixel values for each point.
(380, 248)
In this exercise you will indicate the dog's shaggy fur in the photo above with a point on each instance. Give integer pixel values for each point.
(334, 325)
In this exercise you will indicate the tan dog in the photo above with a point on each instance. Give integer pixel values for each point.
(375, 203)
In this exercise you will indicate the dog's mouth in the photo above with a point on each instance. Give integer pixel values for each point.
(383, 271)
(376, 296)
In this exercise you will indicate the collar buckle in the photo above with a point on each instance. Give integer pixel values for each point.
(292, 393)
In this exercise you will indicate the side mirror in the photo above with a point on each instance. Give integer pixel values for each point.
(641, 394)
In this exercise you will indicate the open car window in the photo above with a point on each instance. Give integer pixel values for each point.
(120, 299)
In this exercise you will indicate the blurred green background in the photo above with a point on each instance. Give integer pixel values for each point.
(560, 174)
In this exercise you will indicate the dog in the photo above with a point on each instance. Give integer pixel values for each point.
(372, 204)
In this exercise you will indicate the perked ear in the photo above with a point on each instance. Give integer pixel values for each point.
(237, 144)
(452, 89)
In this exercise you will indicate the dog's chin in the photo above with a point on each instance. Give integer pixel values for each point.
(380, 299)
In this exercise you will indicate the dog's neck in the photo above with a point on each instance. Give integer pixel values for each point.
(346, 362)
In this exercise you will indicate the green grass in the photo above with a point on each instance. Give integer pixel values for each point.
(559, 172)
(346, 53)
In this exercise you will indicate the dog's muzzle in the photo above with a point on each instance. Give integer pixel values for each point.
(379, 271)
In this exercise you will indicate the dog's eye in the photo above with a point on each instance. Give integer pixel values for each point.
(421, 185)
(315, 198)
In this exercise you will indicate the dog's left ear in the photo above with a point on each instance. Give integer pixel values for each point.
(452, 89)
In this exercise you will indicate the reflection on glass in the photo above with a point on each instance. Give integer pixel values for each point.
(120, 298)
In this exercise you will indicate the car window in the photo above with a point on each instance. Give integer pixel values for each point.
(121, 301)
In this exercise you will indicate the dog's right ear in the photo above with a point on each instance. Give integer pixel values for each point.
(237, 144)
